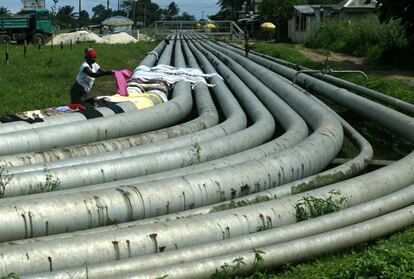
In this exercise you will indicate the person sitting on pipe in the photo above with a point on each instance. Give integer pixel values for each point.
(89, 70)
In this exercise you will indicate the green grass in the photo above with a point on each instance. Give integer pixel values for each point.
(365, 37)
(43, 79)
(391, 257)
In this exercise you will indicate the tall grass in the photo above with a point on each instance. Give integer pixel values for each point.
(43, 79)
(364, 37)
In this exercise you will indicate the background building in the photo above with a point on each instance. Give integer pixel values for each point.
(33, 4)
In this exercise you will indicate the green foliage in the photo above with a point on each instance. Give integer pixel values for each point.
(366, 37)
(51, 182)
(196, 150)
(11, 276)
(310, 207)
(402, 10)
(44, 78)
(4, 11)
(258, 258)
(280, 10)
(386, 258)
(286, 52)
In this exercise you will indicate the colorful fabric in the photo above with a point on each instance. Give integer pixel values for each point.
(121, 78)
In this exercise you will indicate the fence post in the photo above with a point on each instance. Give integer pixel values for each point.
(25, 49)
(7, 53)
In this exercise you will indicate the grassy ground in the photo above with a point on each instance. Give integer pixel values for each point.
(44, 78)
(391, 257)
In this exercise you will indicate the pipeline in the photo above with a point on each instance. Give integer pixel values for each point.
(186, 219)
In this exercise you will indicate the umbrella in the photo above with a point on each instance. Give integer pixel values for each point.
(211, 26)
(268, 26)
(117, 21)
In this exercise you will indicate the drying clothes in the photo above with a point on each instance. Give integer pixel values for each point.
(121, 78)
(171, 75)
(76, 106)
(141, 100)
(63, 108)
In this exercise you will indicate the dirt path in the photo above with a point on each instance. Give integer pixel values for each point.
(344, 61)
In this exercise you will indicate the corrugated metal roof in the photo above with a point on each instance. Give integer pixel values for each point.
(304, 9)
(358, 4)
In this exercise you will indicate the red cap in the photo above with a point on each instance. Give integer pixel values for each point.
(90, 52)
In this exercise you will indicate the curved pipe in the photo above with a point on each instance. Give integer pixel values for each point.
(386, 99)
(364, 107)
(346, 217)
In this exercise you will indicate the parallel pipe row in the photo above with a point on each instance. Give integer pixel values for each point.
(127, 199)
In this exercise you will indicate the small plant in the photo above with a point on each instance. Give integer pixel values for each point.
(262, 228)
(51, 182)
(310, 207)
(238, 262)
(258, 259)
(162, 277)
(11, 276)
(5, 179)
(196, 151)
(223, 273)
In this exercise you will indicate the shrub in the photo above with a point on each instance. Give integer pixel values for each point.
(365, 38)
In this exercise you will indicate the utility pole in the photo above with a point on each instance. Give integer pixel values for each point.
(133, 10)
(80, 7)
(107, 5)
(145, 15)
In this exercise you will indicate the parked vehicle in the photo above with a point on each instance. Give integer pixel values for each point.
(30, 25)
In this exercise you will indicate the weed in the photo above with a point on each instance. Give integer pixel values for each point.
(262, 228)
(51, 182)
(223, 273)
(196, 151)
(258, 259)
(238, 262)
(11, 276)
(162, 277)
(310, 207)
(5, 179)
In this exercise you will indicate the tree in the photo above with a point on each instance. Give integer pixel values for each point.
(4, 11)
(145, 11)
(173, 10)
(185, 17)
(229, 9)
(65, 16)
(402, 10)
(83, 18)
(100, 13)
(54, 7)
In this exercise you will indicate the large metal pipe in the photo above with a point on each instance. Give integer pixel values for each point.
(364, 107)
(346, 217)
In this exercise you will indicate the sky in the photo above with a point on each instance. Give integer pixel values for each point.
(194, 7)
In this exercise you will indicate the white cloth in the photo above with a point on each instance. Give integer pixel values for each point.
(83, 79)
(172, 75)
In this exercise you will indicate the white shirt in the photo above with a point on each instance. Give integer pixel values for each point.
(83, 79)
